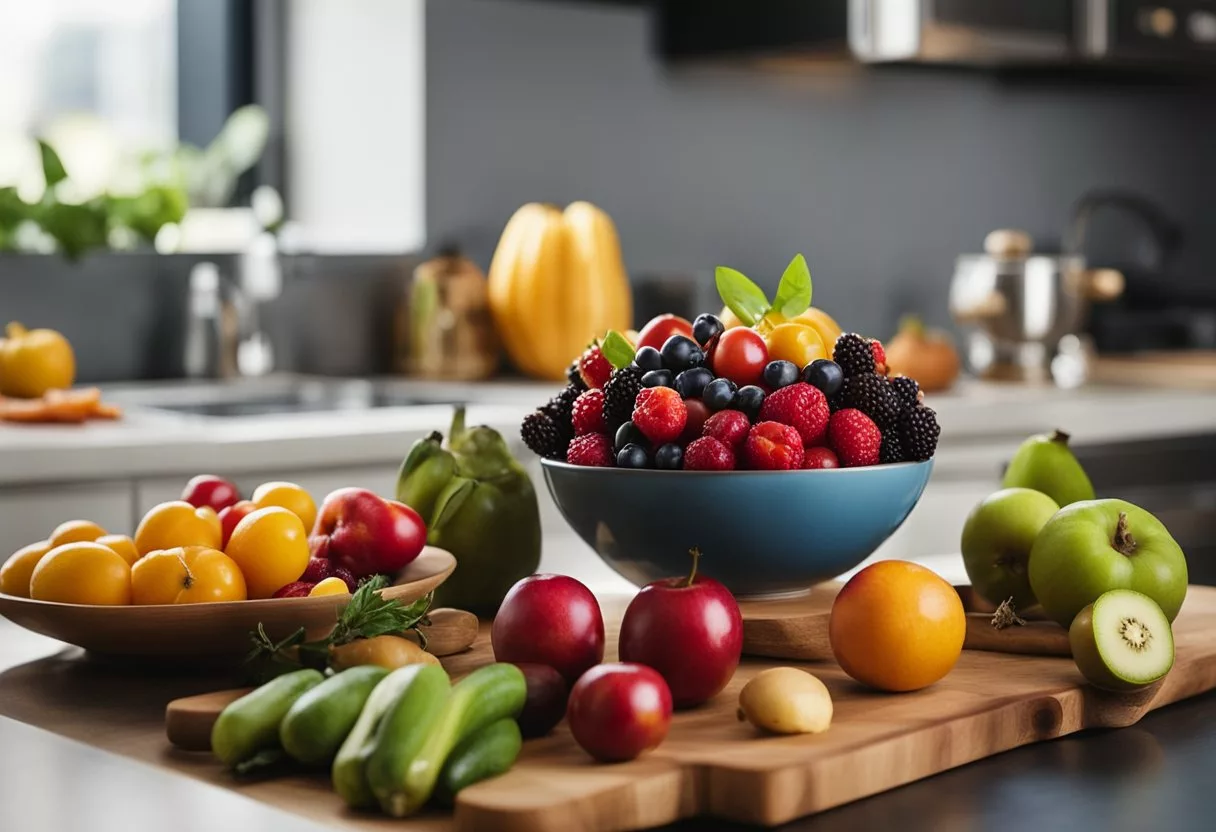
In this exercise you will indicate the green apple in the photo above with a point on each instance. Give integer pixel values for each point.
(997, 539)
(1094, 546)
(1046, 463)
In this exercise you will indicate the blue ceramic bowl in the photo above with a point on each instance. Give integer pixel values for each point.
(760, 532)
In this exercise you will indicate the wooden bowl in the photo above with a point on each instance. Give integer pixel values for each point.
(216, 632)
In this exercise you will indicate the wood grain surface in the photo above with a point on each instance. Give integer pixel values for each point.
(711, 764)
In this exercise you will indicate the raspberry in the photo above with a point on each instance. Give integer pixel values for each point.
(855, 438)
(660, 414)
(542, 435)
(591, 449)
(620, 392)
(853, 354)
(594, 368)
(880, 357)
(820, 457)
(918, 431)
(772, 446)
(800, 406)
(727, 426)
(708, 454)
(588, 413)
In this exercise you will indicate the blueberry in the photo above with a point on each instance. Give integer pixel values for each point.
(824, 374)
(748, 400)
(681, 352)
(719, 393)
(629, 434)
(690, 384)
(648, 359)
(669, 457)
(657, 378)
(632, 456)
(778, 374)
(706, 328)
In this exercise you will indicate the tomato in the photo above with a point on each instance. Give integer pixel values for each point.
(232, 515)
(291, 497)
(795, 342)
(271, 548)
(177, 523)
(740, 356)
(659, 329)
(186, 575)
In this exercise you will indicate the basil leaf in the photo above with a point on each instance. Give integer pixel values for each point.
(741, 295)
(794, 291)
(52, 165)
(617, 349)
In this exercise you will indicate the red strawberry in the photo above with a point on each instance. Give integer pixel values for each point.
(588, 413)
(772, 446)
(728, 426)
(593, 449)
(855, 438)
(660, 414)
(880, 356)
(295, 589)
(593, 368)
(800, 406)
(820, 457)
(708, 454)
(698, 414)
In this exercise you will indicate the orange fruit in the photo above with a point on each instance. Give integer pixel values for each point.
(291, 497)
(16, 571)
(82, 573)
(271, 548)
(75, 531)
(121, 544)
(177, 523)
(330, 586)
(897, 626)
(34, 361)
(795, 342)
(186, 575)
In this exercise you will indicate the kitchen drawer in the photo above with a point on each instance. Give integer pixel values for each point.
(29, 513)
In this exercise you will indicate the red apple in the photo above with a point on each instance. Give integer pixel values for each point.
(232, 515)
(689, 630)
(619, 710)
(545, 704)
(361, 531)
(549, 619)
(210, 490)
(659, 329)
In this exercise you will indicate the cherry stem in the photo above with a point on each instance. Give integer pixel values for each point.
(696, 556)
(1060, 436)
(1124, 543)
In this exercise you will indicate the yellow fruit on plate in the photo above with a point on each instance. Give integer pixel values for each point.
(815, 318)
(186, 575)
(82, 573)
(34, 361)
(330, 586)
(291, 497)
(75, 531)
(177, 523)
(795, 342)
(121, 544)
(16, 571)
(271, 548)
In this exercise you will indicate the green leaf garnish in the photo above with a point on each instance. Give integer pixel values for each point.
(52, 165)
(794, 291)
(617, 349)
(741, 295)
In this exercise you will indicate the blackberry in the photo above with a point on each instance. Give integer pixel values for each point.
(853, 354)
(908, 392)
(561, 407)
(620, 392)
(542, 436)
(835, 402)
(918, 432)
(872, 395)
(892, 449)
(575, 378)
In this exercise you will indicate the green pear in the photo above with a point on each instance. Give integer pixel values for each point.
(1094, 546)
(997, 539)
(1045, 463)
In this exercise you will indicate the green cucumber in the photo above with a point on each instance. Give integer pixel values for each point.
(317, 723)
(488, 753)
(403, 731)
(251, 723)
(482, 698)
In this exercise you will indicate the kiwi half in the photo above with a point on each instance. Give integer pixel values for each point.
(1122, 641)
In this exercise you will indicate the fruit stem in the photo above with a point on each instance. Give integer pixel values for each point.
(189, 581)
(1006, 616)
(696, 556)
(1060, 436)
(1124, 543)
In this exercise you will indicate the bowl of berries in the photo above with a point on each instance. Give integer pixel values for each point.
(765, 437)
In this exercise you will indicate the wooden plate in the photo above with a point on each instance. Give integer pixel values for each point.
(218, 632)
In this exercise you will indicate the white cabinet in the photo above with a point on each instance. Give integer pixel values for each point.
(29, 513)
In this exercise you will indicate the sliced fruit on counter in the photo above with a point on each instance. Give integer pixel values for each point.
(997, 538)
(1046, 463)
(785, 700)
(1122, 641)
(59, 406)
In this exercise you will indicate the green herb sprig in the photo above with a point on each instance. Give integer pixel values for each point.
(748, 301)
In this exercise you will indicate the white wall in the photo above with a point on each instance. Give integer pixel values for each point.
(355, 122)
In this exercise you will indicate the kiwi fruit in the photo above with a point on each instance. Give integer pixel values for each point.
(1122, 641)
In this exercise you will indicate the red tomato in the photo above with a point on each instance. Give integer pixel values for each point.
(740, 356)
(661, 328)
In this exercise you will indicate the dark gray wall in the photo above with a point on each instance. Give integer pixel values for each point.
(881, 176)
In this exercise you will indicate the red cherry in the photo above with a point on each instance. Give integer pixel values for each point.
(659, 329)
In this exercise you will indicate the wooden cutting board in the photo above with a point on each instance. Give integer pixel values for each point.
(711, 764)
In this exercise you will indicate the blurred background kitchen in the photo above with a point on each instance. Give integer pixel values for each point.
(235, 209)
